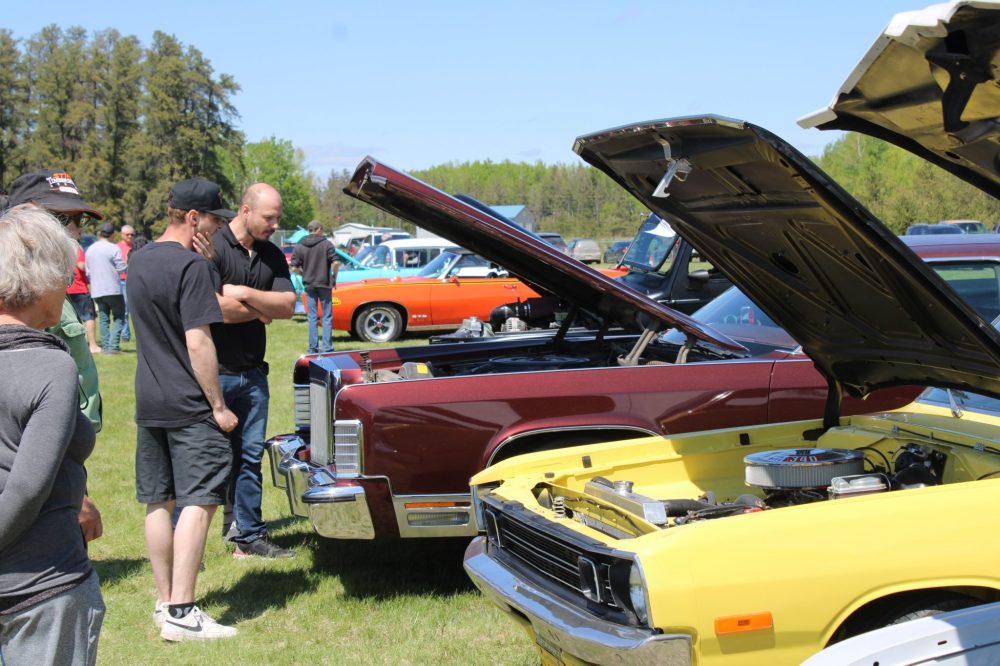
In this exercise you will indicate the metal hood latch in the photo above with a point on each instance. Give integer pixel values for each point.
(678, 168)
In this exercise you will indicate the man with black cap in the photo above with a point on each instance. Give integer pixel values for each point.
(56, 192)
(104, 265)
(183, 456)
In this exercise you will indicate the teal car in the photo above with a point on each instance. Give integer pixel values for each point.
(392, 258)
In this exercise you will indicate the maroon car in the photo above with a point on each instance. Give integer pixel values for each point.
(387, 439)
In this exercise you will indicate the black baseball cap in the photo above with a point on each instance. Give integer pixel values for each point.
(54, 190)
(200, 195)
(107, 230)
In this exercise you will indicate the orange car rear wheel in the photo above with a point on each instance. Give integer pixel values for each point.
(379, 323)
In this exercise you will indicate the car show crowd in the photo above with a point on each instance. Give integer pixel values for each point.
(768, 369)
(201, 295)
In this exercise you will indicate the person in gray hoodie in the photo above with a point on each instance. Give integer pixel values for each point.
(316, 258)
(51, 608)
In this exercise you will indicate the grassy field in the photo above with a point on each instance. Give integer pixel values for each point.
(344, 602)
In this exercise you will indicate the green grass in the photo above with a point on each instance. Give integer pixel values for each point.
(344, 602)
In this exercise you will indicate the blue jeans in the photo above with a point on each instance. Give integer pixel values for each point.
(126, 332)
(247, 395)
(113, 308)
(324, 296)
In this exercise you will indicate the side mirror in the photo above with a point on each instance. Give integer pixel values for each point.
(698, 278)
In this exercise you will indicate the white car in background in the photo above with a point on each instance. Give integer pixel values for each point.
(970, 636)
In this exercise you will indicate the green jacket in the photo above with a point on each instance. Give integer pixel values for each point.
(71, 329)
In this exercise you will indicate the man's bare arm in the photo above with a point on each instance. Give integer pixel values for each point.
(273, 304)
(237, 312)
(204, 362)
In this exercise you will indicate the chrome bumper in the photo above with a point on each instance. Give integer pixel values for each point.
(562, 628)
(335, 511)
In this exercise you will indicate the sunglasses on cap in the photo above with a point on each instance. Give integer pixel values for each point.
(66, 218)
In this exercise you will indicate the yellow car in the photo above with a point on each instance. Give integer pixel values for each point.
(765, 544)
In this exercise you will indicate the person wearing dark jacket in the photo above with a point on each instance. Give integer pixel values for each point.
(316, 258)
(51, 608)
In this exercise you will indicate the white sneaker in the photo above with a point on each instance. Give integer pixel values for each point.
(159, 613)
(195, 626)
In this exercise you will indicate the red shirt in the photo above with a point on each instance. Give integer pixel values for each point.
(125, 248)
(79, 285)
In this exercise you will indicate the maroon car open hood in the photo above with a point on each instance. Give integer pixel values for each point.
(928, 84)
(526, 256)
(867, 310)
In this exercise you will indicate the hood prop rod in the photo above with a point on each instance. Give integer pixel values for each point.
(640, 346)
(831, 411)
(566, 323)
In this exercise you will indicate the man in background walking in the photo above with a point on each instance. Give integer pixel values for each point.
(104, 264)
(316, 257)
(125, 246)
(255, 277)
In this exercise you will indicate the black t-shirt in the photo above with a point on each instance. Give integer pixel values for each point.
(170, 290)
(242, 346)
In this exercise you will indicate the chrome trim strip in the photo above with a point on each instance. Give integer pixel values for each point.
(570, 629)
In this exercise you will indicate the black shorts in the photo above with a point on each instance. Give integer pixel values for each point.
(190, 464)
(83, 305)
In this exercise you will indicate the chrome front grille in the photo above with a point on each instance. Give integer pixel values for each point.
(320, 422)
(549, 556)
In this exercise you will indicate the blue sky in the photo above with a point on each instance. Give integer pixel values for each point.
(421, 83)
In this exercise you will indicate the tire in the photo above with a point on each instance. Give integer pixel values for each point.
(908, 608)
(918, 610)
(379, 324)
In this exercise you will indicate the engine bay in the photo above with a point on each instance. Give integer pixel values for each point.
(571, 354)
(773, 479)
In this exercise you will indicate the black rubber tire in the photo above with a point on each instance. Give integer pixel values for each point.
(917, 610)
(380, 323)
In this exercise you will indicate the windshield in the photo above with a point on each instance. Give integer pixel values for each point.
(438, 265)
(735, 315)
(450, 263)
(962, 399)
(978, 282)
(378, 255)
(652, 246)
(363, 253)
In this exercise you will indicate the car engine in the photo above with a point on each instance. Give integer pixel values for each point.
(785, 477)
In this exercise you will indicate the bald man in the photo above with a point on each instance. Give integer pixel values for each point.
(258, 287)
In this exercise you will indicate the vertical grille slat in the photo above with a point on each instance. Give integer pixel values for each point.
(301, 401)
(320, 420)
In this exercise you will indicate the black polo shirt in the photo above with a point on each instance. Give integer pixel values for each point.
(242, 346)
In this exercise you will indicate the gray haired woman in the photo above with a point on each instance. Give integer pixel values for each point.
(50, 599)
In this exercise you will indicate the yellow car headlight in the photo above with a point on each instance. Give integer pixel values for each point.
(637, 593)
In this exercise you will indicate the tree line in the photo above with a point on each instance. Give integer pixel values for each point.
(127, 121)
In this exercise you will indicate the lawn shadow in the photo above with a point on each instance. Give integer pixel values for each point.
(112, 571)
(258, 591)
(384, 569)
